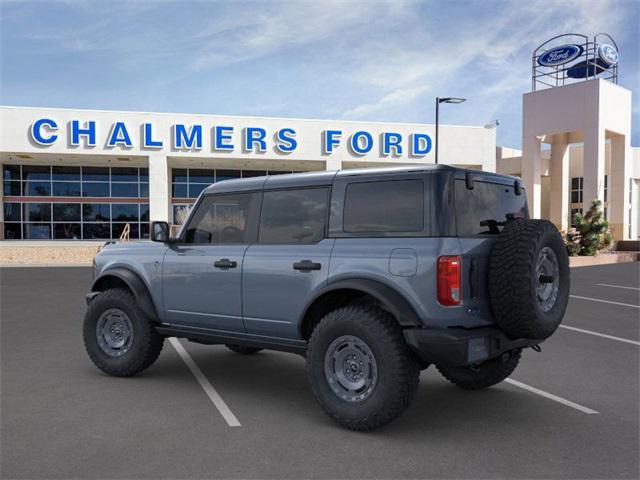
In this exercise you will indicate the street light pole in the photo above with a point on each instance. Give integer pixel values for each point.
(437, 125)
(438, 102)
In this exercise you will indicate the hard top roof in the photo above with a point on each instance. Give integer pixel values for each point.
(327, 177)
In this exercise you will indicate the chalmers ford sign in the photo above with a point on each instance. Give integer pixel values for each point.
(45, 132)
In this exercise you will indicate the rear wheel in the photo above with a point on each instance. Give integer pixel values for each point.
(361, 371)
(118, 337)
(242, 349)
(484, 375)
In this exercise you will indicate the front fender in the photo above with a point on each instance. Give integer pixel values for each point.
(135, 284)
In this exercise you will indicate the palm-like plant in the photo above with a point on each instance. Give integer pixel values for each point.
(591, 233)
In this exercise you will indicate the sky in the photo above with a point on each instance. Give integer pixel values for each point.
(367, 60)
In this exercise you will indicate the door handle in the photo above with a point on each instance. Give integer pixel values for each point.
(225, 263)
(306, 265)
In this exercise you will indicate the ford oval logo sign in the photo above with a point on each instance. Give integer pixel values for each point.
(560, 55)
(608, 54)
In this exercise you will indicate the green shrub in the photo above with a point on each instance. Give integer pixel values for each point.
(591, 234)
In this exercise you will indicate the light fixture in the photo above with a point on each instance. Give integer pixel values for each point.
(440, 100)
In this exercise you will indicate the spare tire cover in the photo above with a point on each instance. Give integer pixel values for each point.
(529, 279)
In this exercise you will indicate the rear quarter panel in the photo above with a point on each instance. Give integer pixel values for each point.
(371, 258)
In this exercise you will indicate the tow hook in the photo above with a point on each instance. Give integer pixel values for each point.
(536, 348)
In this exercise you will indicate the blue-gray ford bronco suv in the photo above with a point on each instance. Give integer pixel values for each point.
(372, 275)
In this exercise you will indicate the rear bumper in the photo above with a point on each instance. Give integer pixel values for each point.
(456, 347)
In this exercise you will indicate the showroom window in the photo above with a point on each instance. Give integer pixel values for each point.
(188, 183)
(576, 189)
(78, 202)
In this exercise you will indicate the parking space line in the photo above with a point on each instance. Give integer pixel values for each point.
(605, 301)
(211, 392)
(616, 286)
(553, 397)
(610, 337)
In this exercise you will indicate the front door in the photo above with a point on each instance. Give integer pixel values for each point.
(290, 260)
(202, 272)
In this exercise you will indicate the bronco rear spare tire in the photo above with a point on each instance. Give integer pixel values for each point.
(529, 279)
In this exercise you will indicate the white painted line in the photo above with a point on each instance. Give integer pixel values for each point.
(616, 286)
(605, 301)
(551, 396)
(610, 337)
(211, 392)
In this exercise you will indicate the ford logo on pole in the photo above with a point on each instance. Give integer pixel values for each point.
(560, 55)
(608, 54)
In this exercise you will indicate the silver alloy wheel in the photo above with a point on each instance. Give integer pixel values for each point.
(548, 279)
(350, 368)
(114, 332)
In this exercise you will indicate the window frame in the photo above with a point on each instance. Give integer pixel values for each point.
(325, 233)
(252, 219)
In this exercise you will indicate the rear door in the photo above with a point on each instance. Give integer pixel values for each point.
(202, 274)
(290, 260)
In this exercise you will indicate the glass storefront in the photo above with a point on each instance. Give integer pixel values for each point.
(188, 183)
(76, 202)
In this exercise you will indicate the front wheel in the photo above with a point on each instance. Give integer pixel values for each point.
(484, 375)
(118, 337)
(361, 371)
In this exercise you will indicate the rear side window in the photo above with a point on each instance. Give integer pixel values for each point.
(386, 206)
(485, 202)
(294, 216)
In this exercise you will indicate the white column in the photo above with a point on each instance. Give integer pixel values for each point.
(559, 201)
(531, 173)
(618, 188)
(159, 187)
(333, 164)
(593, 166)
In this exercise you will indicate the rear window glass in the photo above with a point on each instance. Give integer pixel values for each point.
(486, 201)
(387, 206)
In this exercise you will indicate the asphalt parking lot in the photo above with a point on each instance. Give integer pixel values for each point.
(572, 410)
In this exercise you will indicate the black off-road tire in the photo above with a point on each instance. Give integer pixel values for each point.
(242, 349)
(484, 375)
(513, 281)
(146, 342)
(397, 369)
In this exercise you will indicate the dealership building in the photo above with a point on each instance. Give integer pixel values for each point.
(92, 175)
(86, 174)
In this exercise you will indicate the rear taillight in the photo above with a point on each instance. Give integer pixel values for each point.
(449, 280)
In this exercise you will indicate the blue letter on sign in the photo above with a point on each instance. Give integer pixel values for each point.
(330, 140)
(421, 144)
(89, 131)
(182, 139)
(255, 135)
(36, 132)
(147, 138)
(355, 142)
(119, 136)
(391, 140)
(286, 140)
(221, 137)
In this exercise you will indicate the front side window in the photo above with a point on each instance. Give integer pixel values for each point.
(394, 206)
(222, 219)
(294, 216)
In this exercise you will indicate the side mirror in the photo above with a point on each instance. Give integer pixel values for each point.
(160, 232)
